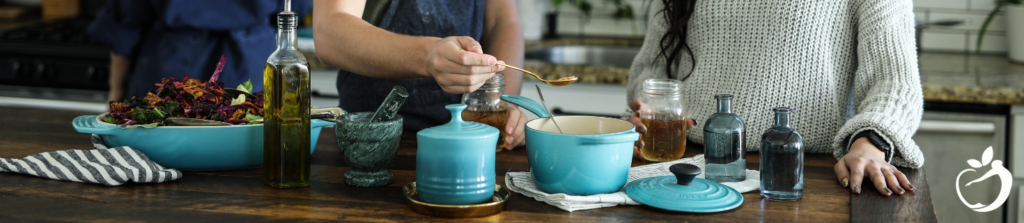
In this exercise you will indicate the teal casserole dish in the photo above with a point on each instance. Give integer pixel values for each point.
(191, 148)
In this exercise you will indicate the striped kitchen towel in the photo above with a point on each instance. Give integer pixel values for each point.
(107, 166)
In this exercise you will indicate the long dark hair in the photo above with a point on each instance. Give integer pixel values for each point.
(677, 13)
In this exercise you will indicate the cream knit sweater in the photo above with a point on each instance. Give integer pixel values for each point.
(842, 66)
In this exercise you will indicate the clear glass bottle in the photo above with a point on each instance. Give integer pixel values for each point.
(485, 106)
(724, 136)
(286, 128)
(666, 126)
(782, 160)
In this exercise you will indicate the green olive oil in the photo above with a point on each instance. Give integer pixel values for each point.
(286, 103)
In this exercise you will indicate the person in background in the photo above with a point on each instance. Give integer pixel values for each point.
(155, 39)
(430, 47)
(848, 69)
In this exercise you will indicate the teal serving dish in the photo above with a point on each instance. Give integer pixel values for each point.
(191, 148)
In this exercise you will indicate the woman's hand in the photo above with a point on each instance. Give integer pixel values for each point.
(638, 107)
(865, 158)
(515, 128)
(459, 64)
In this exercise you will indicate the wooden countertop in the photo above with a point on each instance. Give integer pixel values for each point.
(240, 195)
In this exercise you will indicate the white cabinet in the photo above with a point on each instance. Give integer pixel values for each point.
(948, 140)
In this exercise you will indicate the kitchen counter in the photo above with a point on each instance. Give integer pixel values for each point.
(240, 195)
(971, 78)
(945, 77)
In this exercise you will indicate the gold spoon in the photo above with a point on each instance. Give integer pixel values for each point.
(560, 82)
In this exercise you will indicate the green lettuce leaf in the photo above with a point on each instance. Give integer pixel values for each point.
(239, 100)
(246, 87)
(253, 119)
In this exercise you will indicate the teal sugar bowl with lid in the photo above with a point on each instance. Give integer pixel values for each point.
(455, 161)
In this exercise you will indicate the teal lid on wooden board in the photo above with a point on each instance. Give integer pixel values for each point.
(457, 128)
(683, 192)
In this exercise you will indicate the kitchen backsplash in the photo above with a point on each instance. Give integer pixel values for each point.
(935, 38)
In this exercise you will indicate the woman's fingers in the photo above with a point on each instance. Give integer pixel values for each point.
(891, 180)
(878, 178)
(842, 173)
(515, 128)
(637, 106)
(636, 151)
(902, 178)
(856, 173)
(640, 127)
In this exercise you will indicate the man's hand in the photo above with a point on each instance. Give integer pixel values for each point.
(459, 64)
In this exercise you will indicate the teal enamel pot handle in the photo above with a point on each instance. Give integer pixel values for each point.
(89, 124)
(317, 123)
(621, 137)
(526, 103)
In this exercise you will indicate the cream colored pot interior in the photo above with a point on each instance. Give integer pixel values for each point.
(580, 125)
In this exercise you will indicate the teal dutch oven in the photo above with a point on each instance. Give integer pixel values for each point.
(592, 155)
(191, 148)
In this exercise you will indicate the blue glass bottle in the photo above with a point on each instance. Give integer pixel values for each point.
(724, 135)
(782, 160)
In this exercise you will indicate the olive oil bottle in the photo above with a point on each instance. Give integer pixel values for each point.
(286, 136)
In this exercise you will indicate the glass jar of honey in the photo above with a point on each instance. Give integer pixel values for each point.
(665, 139)
(485, 106)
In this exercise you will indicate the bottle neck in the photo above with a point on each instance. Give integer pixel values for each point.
(782, 118)
(724, 105)
(286, 39)
(286, 35)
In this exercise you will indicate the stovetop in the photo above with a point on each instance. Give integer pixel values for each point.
(62, 38)
(54, 54)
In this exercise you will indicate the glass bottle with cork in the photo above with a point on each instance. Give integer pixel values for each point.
(665, 139)
(286, 126)
(485, 106)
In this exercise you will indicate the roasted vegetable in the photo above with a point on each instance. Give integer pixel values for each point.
(189, 98)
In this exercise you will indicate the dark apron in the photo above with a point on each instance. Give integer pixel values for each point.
(425, 105)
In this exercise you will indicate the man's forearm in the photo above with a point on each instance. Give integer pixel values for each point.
(503, 38)
(346, 41)
(119, 65)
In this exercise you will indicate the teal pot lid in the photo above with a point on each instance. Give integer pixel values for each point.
(683, 192)
(457, 128)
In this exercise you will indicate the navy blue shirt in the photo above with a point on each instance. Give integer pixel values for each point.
(425, 106)
(165, 38)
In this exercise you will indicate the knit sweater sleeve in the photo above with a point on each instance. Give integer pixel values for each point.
(887, 87)
(649, 64)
